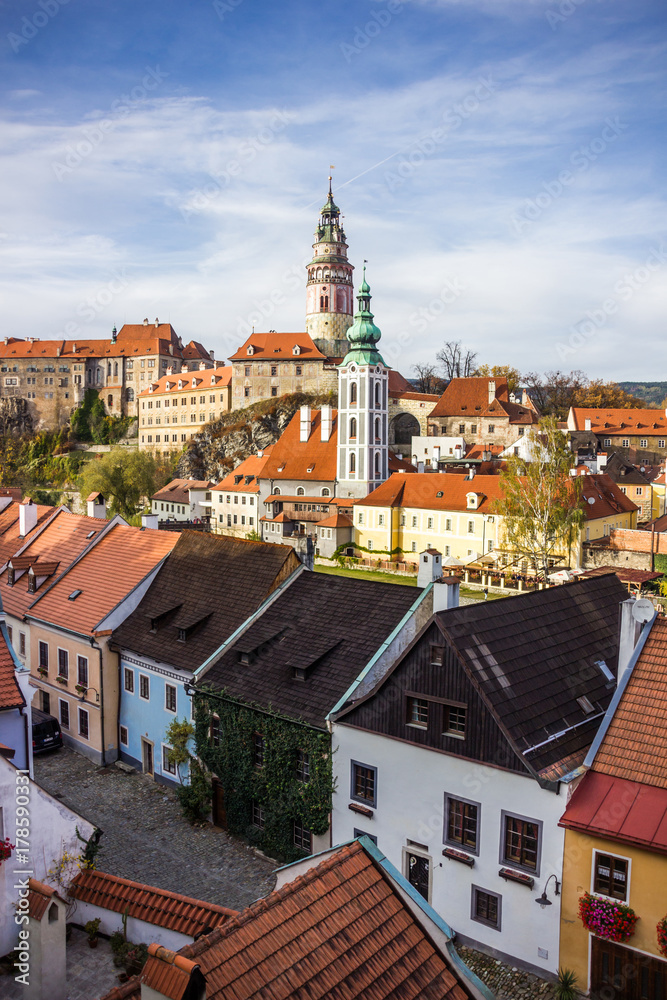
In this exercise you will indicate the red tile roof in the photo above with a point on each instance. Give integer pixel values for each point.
(606, 496)
(194, 350)
(178, 490)
(253, 466)
(168, 973)
(336, 521)
(339, 930)
(644, 423)
(39, 897)
(10, 539)
(278, 347)
(635, 744)
(58, 541)
(105, 575)
(206, 378)
(144, 902)
(291, 458)
(468, 396)
(10, 692)
(619, 809)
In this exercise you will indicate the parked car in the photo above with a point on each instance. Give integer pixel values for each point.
(46, 733)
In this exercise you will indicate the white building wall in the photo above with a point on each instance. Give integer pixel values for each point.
(411, 787)
(138, 931)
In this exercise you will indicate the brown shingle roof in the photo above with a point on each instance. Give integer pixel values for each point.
(635, 744)
(105, 575)
(145, 902)
(227, 580)
(339, 930)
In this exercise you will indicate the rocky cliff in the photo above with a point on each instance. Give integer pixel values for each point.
(225, 443)
(15, 416)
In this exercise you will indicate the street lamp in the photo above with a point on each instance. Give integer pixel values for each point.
(542, 900)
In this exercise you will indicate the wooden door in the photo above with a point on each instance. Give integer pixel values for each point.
(218, 805)
(619, 973)
(147, 757)
(418, 873)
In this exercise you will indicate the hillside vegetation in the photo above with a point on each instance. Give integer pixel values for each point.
(653, 393)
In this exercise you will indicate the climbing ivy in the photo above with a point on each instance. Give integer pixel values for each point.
(275, 786)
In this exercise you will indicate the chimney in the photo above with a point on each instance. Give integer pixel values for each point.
(184, 367)
(306, 423)
(145, 320)
(171, 349)
(420, 467)
(157, 321)
(458, 452)
(471, 474)
(96, 506)
(211, 355)
(492, 390)
(446, 594)
(27, 517)
(73, 348)
(170, 976)
(326, 418)
(587, 424)
(430, 567)
(149, 521)
(202, 366)
(170, 370)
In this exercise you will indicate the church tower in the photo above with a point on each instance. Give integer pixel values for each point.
(329, 290)
(363, 455)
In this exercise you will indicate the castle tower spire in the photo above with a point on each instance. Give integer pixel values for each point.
(363, 384)
(329, 289)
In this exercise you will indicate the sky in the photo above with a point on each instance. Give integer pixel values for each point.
(500, 164)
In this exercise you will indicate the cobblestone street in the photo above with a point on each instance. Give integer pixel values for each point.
(145, 837)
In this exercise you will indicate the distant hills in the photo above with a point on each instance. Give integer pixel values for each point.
(652, 392)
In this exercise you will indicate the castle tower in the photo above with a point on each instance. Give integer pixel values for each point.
(329, 290)
(363, 377)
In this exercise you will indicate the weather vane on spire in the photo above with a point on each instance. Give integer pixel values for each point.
(331, 167)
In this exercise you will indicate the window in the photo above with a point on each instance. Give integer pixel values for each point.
(417, 713)
(486, 907)
(429, 524)
(63, 663)
(302, 837)
(414, 521)
(471, 527)
(462, 823)
(300, 492)
(610, 876)
(353, 462)
(521, 843)
(489, 545)
(362, 833)
(144, 687)
(353, 428)
(64, 714)
(128, 680)
(413, 547)
(10, 633)
(302, 766)
(353, 392)
(381, 520)
(625, 443)
(258, 816)
(22, 643)
(83, 723)
(455, 721)
(274, 390)
(639, 491)
(363, 785)
(361, 517)
(448, 524)
(214, 732)
(44, 655)
(462, 428)
(82, 670)
(370, 545)
(661, 443)
(607, 442)
(299, 370)
(124, 739)
(643, 442)
(170, 697)
(168, 766)
(258, 750)
(437, 655)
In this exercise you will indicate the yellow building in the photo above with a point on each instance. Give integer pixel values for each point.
(411, 512)
(176, 407)
(616, 837)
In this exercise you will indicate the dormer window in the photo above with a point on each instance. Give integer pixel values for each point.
(32, 583)
(298, 673)
(237, 480)
(182, 634)
(296, 350)
(10, 576)
(250, 351)
(472, 501)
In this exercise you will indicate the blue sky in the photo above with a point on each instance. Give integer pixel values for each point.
(500, 163)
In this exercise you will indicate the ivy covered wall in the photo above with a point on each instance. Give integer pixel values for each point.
(278, 785)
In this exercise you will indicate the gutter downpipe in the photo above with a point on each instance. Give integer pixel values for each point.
(99, 650)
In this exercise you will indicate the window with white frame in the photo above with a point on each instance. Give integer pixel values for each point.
(128, 680)
(83, 724)
(170, 697)
(82, 671)
(144, 687)
(168, 766)
(610, 876)
(63, 707)
(124, 738)
(63, 663)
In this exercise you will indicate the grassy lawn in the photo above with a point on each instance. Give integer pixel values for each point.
(409, 581)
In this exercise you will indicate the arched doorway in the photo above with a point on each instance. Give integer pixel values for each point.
(403, 428)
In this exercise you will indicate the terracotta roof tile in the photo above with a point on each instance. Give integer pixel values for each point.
(278, 347)
(105, 575)
(339, 930)
(291, 458)
(635, 745)
(39, 897)
(468, 396)
(154, 906)
(207, 378)
(252, 466)
(10, 692)
(336, 521)
(646, 423)
(10, 539)
(178, 490)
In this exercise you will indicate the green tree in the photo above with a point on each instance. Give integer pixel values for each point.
(125, 478)
(513, 375)
(542, 506)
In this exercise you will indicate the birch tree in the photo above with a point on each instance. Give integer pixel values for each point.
(542, 506)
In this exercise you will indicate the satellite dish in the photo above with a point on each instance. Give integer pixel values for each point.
(591, 500)
(642, 610)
